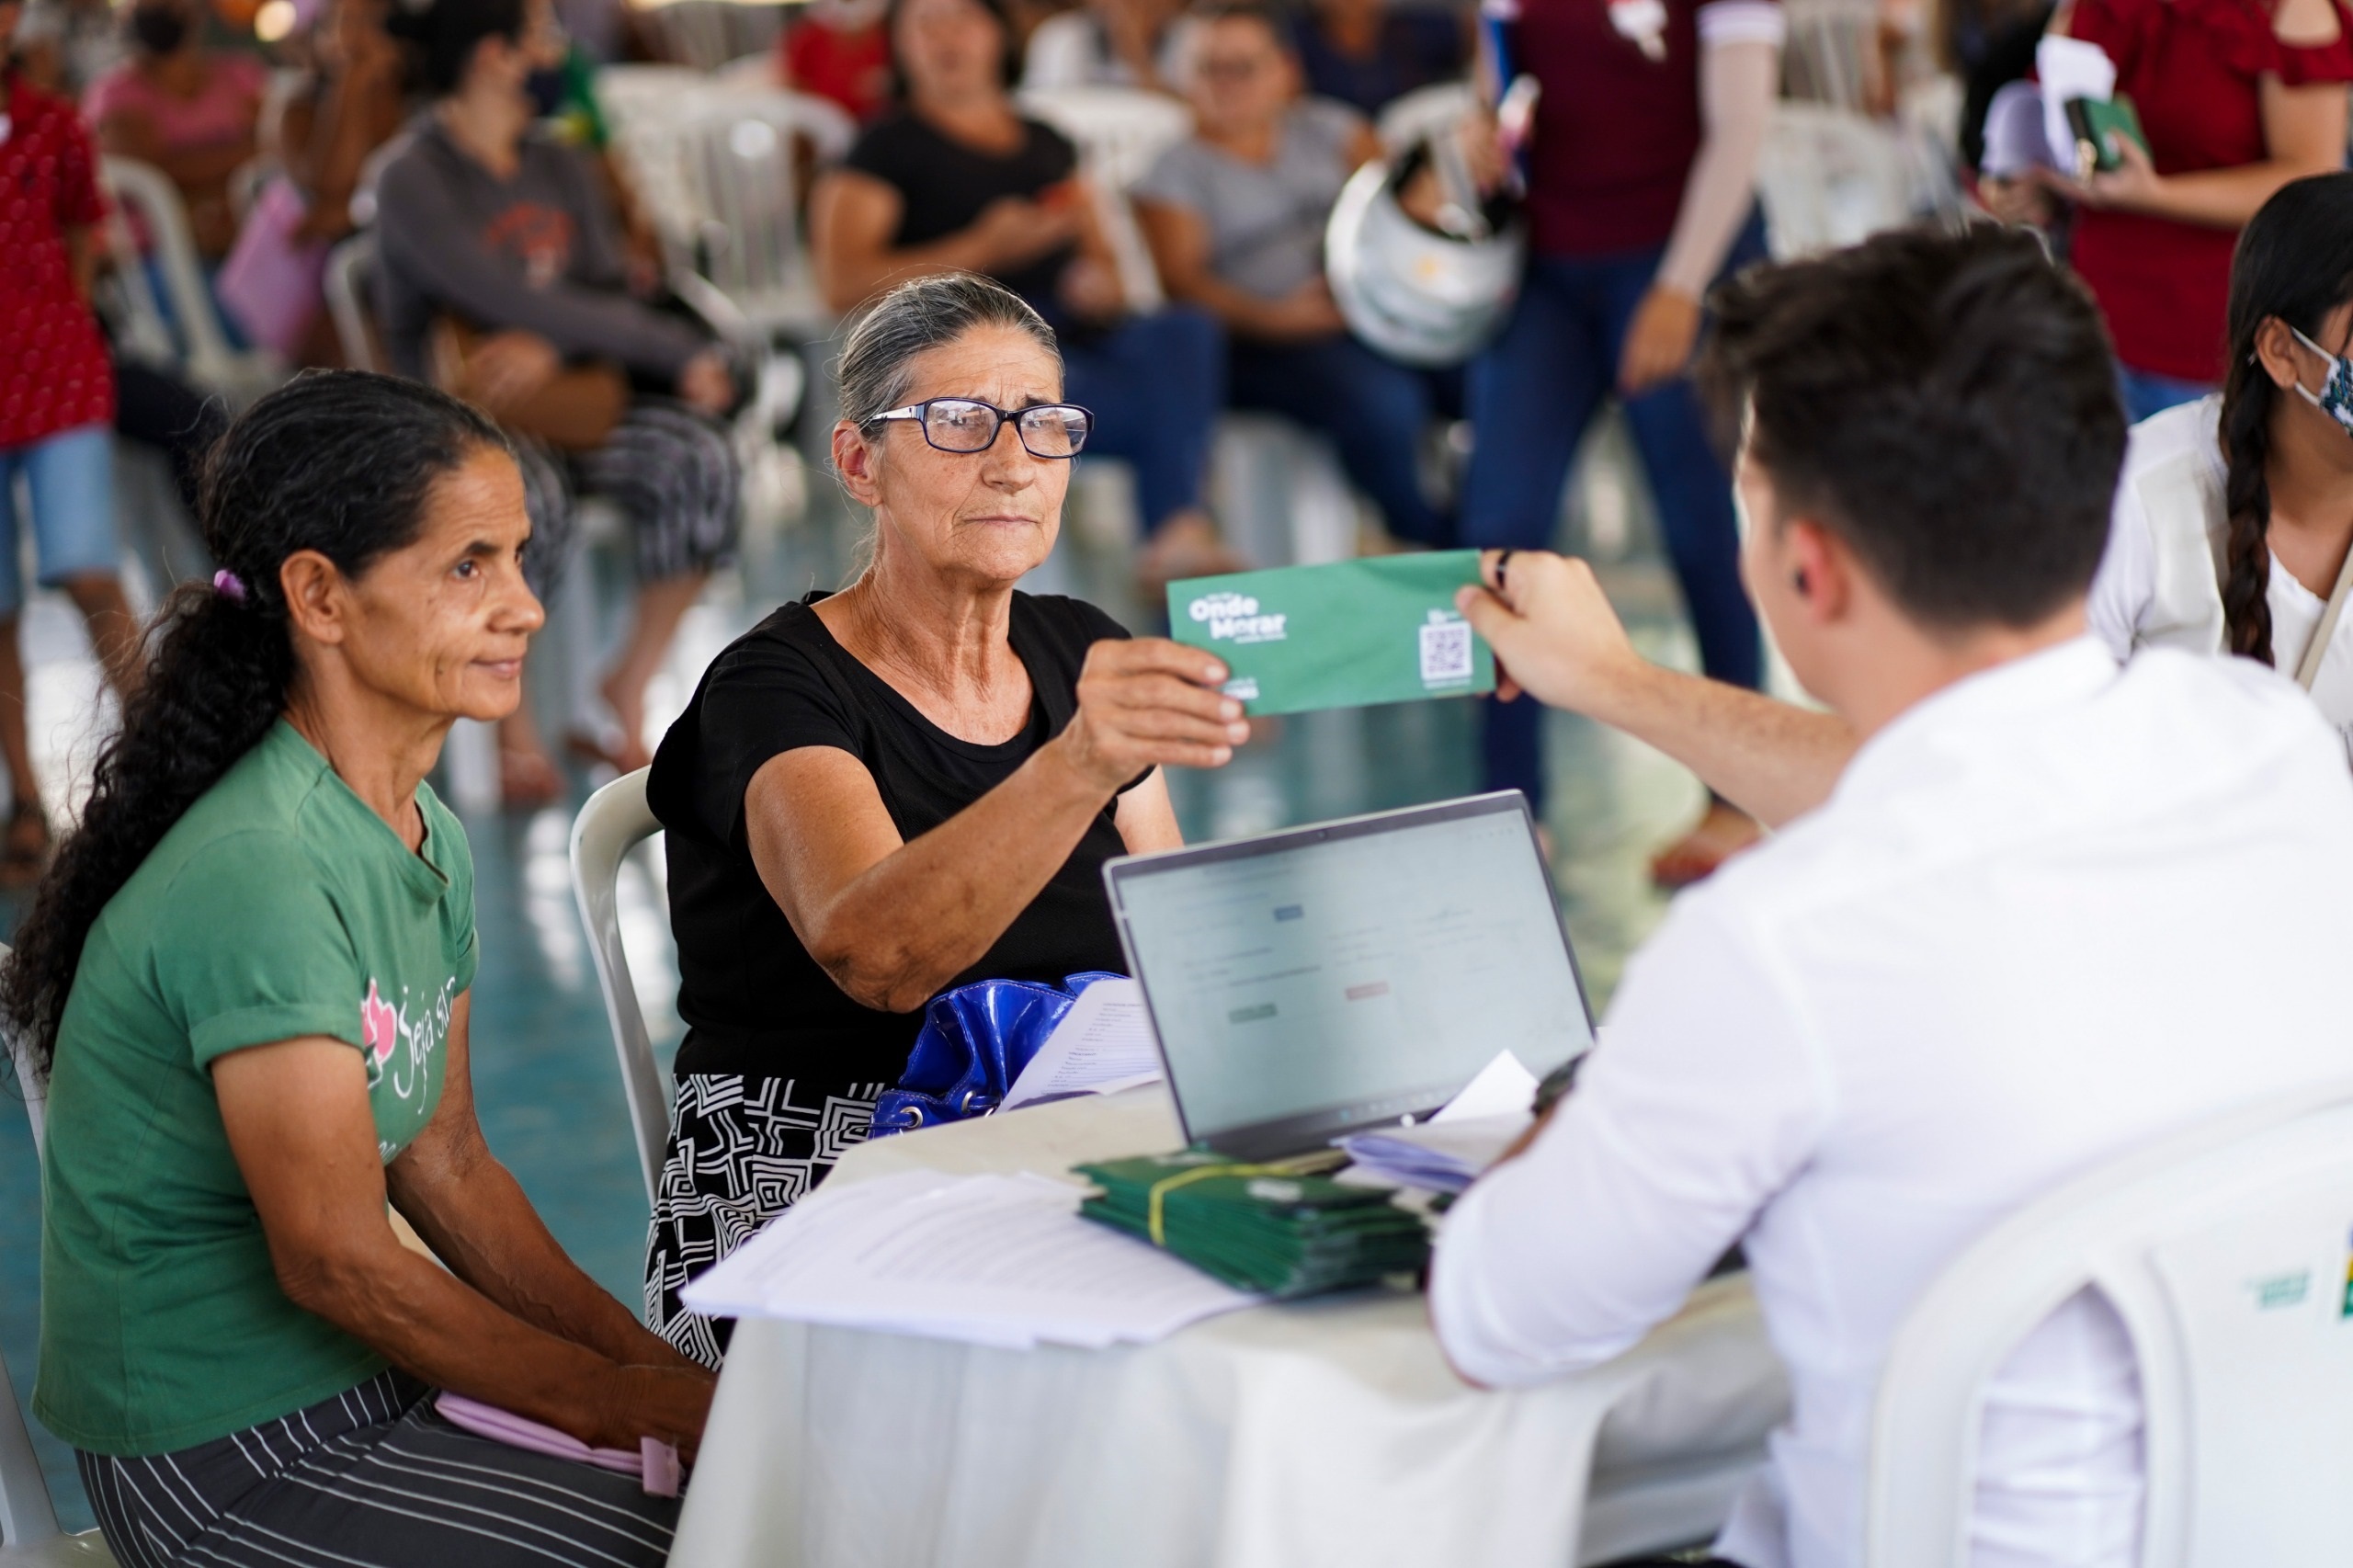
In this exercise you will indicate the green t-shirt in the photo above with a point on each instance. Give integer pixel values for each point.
(279, 906)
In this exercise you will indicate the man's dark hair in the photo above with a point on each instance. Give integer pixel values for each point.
(1946, 402)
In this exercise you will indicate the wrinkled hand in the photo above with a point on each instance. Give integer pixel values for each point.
(1013, 230)
(1554, 635)
(1090, 286)
(508, 367)
(1307, 312)
(668, 1402)
(1659, 340)
(705, 386)
(1146, 702)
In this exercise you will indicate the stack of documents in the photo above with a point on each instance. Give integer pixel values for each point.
(1104, 1044)
(1256, 1229)
(1455, 1147)
(1000, 1260)
(1443, 1156)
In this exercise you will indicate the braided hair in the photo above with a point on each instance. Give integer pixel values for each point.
(336, 462)
(2294, 264)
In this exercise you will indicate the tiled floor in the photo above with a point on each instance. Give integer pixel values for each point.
(549, 1094)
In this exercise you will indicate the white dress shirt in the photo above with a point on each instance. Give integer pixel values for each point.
(2160, 584)
(2052, 913)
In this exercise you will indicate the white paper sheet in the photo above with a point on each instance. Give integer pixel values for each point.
(1002, 1260)
(1503, 1088)
(1103, 1044)
(2070, 69)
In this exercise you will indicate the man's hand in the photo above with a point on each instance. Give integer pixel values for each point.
(1554, 635)
(1659, 340)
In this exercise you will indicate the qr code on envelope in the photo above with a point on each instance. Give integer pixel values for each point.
(1446, 651)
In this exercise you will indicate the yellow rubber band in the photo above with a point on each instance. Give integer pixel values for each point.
(1303, 1164)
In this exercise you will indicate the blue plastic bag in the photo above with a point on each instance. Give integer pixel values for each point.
(974, 1042)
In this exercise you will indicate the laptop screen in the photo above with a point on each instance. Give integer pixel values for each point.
(1310, 983)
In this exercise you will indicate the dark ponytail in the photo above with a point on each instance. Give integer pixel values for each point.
(2294, 264)
(337, 461)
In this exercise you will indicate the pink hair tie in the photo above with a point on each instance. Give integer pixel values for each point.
(229, 585)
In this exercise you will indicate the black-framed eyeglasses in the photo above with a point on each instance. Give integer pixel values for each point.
(967, 424)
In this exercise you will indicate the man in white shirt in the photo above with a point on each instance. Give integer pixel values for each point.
(2050, 911)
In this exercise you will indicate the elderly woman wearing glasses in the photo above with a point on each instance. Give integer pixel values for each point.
(878, 794)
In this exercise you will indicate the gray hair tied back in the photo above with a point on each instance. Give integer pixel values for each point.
(878, 360)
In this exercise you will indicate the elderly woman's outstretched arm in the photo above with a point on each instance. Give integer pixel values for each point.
(893, 921)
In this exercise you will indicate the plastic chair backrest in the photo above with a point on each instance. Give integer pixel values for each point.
(351, 271)
(616, 820)
(707, 34)
(720, 177)
(1829, 177)
(2224, 1252)
(207, 355)
(1118, 131)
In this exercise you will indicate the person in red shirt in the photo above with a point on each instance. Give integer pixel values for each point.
(56, 413)
(1641, 192)
(838, 50)
(2238, 97)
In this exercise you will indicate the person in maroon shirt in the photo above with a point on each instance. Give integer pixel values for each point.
(1640, 191)
(56, 413)
(2238, 97)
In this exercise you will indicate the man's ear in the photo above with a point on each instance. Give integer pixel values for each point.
(855, 460)
(1820, 569)
(317, 599)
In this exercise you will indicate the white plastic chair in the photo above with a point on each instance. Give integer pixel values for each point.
(1118, 131)
(351, 267)
(30, 1537)
(615, 821)
(716, 173)
(2224, 1252)
(203, 347)
(707, 34)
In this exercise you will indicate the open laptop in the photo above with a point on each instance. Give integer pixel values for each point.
(1322, 980)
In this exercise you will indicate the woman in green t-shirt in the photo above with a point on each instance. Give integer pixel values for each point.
(246, 981)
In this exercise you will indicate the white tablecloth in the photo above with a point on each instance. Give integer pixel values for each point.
(1319, 1432)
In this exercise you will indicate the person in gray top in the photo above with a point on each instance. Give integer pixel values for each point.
(1235, 214)
(503, 264)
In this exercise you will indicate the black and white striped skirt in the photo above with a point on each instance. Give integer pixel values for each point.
(741, 1151)
(372, 1478)
(669, 469)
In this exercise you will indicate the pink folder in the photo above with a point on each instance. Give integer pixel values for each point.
(655, 1464)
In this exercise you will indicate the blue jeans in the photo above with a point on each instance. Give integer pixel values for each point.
(70, 476)
(2146, 392)
(1533, 394)
(1155, 384)
(1373, 410)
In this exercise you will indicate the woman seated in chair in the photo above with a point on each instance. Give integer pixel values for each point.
(957, 178)
(191, 111)
(246, 980)
(1235, 216)
(880, 794)
(506, 277)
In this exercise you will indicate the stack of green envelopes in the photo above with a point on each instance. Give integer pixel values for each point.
(1263, 1227)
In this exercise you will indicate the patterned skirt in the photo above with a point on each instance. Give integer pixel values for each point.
(741, 1151)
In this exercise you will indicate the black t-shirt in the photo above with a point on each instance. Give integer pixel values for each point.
(753, 1001)
(945, 185)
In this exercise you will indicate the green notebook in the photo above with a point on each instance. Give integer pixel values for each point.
(1346, 635)
(1277, 1230)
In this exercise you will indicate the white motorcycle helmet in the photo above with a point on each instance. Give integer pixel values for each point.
(1418, 295)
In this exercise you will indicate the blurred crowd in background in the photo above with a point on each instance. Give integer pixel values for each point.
(632, 234)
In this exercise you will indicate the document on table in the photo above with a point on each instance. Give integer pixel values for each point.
(1455, 1147)
(1001, 1260)
(1104, 1044)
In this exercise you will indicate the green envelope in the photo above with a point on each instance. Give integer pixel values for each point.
(1346, 635)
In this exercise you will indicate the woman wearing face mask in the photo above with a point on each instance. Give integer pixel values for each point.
(191, 111)
(2234, 518)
